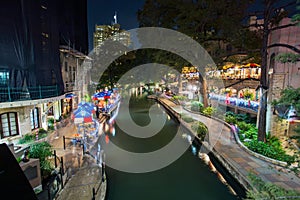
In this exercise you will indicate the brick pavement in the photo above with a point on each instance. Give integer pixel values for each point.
(225, 145)
(85, 173)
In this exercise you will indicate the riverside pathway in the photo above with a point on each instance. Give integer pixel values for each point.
(85, 172)
(239, 162)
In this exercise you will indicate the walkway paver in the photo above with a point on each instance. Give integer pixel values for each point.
(86, 173)
(224, 143)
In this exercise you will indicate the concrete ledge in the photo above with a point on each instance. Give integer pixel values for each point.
(244, 181)
(257, 155)
(229, 167)
(242, 146)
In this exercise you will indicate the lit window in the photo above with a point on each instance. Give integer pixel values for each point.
(45, 35)
(8, 125)
(34, 118)
(4, 77)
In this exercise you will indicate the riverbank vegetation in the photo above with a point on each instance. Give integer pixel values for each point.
(247, 133)
(267, 190)
(34, 135)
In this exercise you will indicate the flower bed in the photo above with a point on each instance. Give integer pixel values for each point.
(247, 133)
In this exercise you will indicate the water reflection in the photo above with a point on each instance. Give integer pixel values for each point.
(192, 176)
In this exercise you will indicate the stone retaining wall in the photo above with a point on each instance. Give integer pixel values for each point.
(244, 181)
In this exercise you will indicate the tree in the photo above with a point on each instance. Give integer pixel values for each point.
(289, 96)
(206, 22)
(211, 23)
(272, 14)
(291, 57)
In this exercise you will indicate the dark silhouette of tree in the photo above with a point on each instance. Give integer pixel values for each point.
(213, 24)
(273, 12)
(207, 22)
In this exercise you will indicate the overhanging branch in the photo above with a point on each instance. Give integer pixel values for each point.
(283, 26)
(293, 48)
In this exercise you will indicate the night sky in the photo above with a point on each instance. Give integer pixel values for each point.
(102, 12)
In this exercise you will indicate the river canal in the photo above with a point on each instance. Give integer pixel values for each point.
(188, 177)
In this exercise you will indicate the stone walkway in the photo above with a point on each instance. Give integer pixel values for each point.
(85, 173)
(240, 162)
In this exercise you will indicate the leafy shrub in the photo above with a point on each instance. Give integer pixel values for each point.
(267, 190)
(244, 117)
(229, 113)
(269, 151)
(41, 131)
(248, 95)
(209, 111)
(200, 129)
(179, 97)
(243, 126)
(196, 106)
(42, 151)
(274, 141)
(251, 133)
(233, 117)
(29, 137)
(19, 159)
(230, 119)
(50, 120)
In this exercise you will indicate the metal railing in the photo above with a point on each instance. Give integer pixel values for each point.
(10, 94)
(242, 103)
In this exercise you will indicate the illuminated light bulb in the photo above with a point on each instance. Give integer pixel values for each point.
(212, 167)
(221, 178)
(113, 131)
(204, 157)
(106, 139)
(106, 128)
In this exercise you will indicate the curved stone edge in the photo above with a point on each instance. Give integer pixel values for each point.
(242, 146)
(229, 167)
(244, 181)
(262, 157)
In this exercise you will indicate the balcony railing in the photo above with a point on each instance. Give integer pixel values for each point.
(243, 103)
(11, 94)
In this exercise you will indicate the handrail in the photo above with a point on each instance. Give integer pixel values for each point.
(242, 103)
(11, 94)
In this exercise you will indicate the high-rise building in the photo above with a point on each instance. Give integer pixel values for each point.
(114, 32)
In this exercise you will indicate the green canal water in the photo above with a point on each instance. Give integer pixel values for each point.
(188, 177)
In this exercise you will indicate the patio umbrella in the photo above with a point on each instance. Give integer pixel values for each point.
(69, 96)
(87, 106)
(84, 112)
(252, 65)
(99, 96)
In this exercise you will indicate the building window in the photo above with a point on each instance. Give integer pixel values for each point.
(34, 118)
(53, 75)
(8, 124)
(272, 62)
(45, 34)
(74, 73)
(70, 73)
(4, 77)
(66, 66)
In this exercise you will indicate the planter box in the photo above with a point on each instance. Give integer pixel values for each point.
(32, 171)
